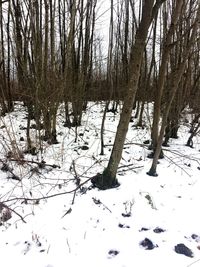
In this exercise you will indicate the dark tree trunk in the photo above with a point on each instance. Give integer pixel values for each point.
(108, 178)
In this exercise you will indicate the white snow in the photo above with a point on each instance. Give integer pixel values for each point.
(88, 227)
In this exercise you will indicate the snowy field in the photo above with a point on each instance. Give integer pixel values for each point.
(59, 220)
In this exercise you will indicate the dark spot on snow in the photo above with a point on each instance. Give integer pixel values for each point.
(14, 177)
(5, 168)
(42, 250)
(22, 127)
(143, 229)
(96, 201)
(146, 142)
(196, 237)
(83, 190)
(33, 126)
(21, 139)
(123, 225)
(113, 252)
(147, 244)
(33, 151)
(126, 214)
(100, 181)
(59, 186)
(84, 147)
(158, 230)
(182, 249)
(37, 202)
(150, 155)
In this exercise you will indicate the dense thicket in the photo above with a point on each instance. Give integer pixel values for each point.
(51, 53)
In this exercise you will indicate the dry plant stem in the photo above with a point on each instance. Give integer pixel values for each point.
(76, 176)
(102, 127)
(68, 245)
(74, 195)
(13, 147)
(8, 169)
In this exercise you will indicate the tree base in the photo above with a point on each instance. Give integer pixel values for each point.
(151, 155)
(103, 182)
(152, 173)
(165, 144)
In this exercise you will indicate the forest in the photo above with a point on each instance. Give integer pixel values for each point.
(58, 66)
(50, 54)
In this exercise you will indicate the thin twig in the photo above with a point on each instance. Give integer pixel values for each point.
(98, 202)
(178, 166)
(131, 143)
(68, 245)
(193, 263)
(47, 197)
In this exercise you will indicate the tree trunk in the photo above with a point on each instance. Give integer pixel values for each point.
(176, 78)
(108, 178)
(162, 72)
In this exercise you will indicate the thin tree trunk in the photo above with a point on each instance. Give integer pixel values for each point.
(162, 72)
(176, 78)
(108, 178)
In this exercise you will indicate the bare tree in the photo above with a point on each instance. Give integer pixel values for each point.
(188, 40)
(108, 178)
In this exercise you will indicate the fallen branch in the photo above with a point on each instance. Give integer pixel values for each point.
(129, 168)
(98, 202)
(131, 143)
(41, 164)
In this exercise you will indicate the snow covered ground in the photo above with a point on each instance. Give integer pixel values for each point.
(144, 222)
